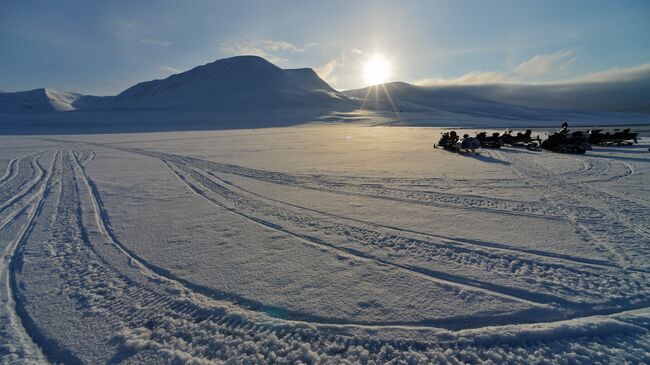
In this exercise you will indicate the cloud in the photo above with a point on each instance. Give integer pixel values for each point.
(327, 71)
(616, 89)
(545, 64)
(279, 46)
(273, 50)
(470, 78)
(155, 42)
(540, 68)
(169, 69)
(122, 24)
(615, 74)
(344, 68)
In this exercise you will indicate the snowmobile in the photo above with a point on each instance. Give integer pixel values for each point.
(450, 142)
(493, 141)
(618, 138)
(522, 140)
(468, 144)
(447, 141)
(566, 142)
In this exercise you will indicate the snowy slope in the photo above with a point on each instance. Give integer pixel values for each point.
(38, 101)
(404, 97)
(241, 82)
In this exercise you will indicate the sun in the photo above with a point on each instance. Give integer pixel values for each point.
(376, 70)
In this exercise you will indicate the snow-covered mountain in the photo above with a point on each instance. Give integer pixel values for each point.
(44, 101)
(237, 83)
(241, 82)
(235, 90)
(404, 97)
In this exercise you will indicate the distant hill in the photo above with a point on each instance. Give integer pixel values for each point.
(242, 82)
(404, 97)
(44, 101)
(250, 91)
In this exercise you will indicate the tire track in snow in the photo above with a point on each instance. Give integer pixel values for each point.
(21, 329)
(10, 170)
(26, 187)
(569, 259)
(551, 277)
(335, 185)
(183, 333)
(593, 288)
(597, 223)
(539, 298)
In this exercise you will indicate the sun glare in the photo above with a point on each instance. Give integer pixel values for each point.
(376, 70)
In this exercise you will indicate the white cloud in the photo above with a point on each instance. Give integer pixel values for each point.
(327, 71)
(470, 78)
(639, 72)
(169, 69)
(545, 64)
(539, 69)
(273, 50)
(615, 74)
(155, 42)
(122, 24)
(279, 46)
(340, 72)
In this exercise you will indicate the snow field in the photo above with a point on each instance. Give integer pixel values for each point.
(117, 250)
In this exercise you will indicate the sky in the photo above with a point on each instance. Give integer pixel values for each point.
(102, 48)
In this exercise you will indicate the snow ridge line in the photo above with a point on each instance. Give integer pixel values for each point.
(594, 278)
(21, 323)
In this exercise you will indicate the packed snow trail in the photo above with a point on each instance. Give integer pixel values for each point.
(118, 307)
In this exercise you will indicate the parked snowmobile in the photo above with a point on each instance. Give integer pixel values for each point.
(521, 140)
(493, 141)
(567, 142)
(468, 144)
(618, 138)
(448, 141)
(451, 142)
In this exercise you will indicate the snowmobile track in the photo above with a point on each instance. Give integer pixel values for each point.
(151, 318)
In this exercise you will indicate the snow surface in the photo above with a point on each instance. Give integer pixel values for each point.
(320, 244)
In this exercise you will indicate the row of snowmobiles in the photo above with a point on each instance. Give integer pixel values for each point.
(563, 141)
(617, 138)
(452, 142)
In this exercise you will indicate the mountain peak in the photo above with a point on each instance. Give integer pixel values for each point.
(226, 83)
